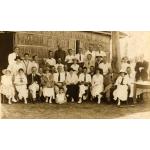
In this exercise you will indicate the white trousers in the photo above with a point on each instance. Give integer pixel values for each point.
(33, 89)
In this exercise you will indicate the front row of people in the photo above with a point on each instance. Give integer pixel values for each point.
(62, 86)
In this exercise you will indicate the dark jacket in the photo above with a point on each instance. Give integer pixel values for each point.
(143, 74)
(60, 54)
(31, 79)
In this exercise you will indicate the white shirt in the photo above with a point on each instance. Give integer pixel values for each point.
(80, 58)
(75, 67)
(56, 66)
(20, 79)
(51, 61)
(62, 77)
(15, 67)
(69, 58)
(82, 77)
(97, 80)
(125, 80)
(27, 66)
(124, 66)
(105, 67)
(92, 53)
(6, 80)
(11, 58)
(100, 53)
(72, 78)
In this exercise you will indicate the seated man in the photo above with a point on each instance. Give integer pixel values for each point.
(72, 85)
(33, 83)
(84, 85)
(59, 80)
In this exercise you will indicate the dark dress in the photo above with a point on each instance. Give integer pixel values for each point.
(143, 75)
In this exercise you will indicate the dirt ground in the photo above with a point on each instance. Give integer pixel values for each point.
(75, 111)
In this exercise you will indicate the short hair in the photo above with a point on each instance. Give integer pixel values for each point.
(100, 70)
(26, 54)
(85, 68)
(50, 51)
(33, 57)
(71, 69)
(20, 70)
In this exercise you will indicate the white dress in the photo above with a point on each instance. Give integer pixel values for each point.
(97, 85)
(122, 90)
(60, 98)
(7, 87)
(21, 86)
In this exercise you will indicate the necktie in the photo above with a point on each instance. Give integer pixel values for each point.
(65, 75)
(32, 78)
(59, 77)
(85, 78)
(122, 81)
(80, 57)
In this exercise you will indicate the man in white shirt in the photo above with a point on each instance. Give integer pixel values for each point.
(59, 80)
(80, 57)
(84, 85)
(90, 51)
(59, 63)
(69, 58)
(35, 62)
(72, 87)
(27, 64)
(100, 52)
(50, 61)
(12, 56)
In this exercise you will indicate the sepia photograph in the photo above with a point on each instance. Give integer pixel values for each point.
(75, 74)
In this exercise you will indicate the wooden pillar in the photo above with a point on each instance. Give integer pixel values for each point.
(116, 58)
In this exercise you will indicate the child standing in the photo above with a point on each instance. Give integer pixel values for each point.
(21, 85)
(61, 97)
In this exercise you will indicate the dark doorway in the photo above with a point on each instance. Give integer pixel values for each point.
(77, 46)
(6, 47)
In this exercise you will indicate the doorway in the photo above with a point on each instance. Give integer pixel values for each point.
(6, 47)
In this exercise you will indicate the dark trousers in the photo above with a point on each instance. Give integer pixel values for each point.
(72, 91)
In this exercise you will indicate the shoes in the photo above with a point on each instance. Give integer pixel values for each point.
(72, 100)
(14, 100)
(80, 101)
(9, 102)
(99, 101)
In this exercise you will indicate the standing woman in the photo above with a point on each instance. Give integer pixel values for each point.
(20, 82)
(7, 87)
(97, 85)
(47, 81)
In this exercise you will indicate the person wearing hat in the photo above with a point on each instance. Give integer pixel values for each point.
(7, 87)
(122, 84)
(12, 56)
(72, 87)
(47, 82)
(75, 66)
(16, 65)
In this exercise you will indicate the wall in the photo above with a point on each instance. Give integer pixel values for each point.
(39, 42)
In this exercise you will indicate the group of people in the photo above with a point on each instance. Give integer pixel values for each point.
(69, 77)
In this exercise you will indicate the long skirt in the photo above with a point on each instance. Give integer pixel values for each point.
(48, 92)
(8, 91)
(96, 90)
(121, 92)
(22, 91)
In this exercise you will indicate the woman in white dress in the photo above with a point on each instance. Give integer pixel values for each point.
(20, 82)
(7, 87)
(97, 85)
(47, 81)
(121, 92)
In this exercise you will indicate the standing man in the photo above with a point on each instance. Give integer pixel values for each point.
(90, 51)
(27, 64)
(12, 56)
(80, 57)
(141, 69)
(100, 52)
(60, 54)
(50, 61)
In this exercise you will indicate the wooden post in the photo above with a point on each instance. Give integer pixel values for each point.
(116, 58)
